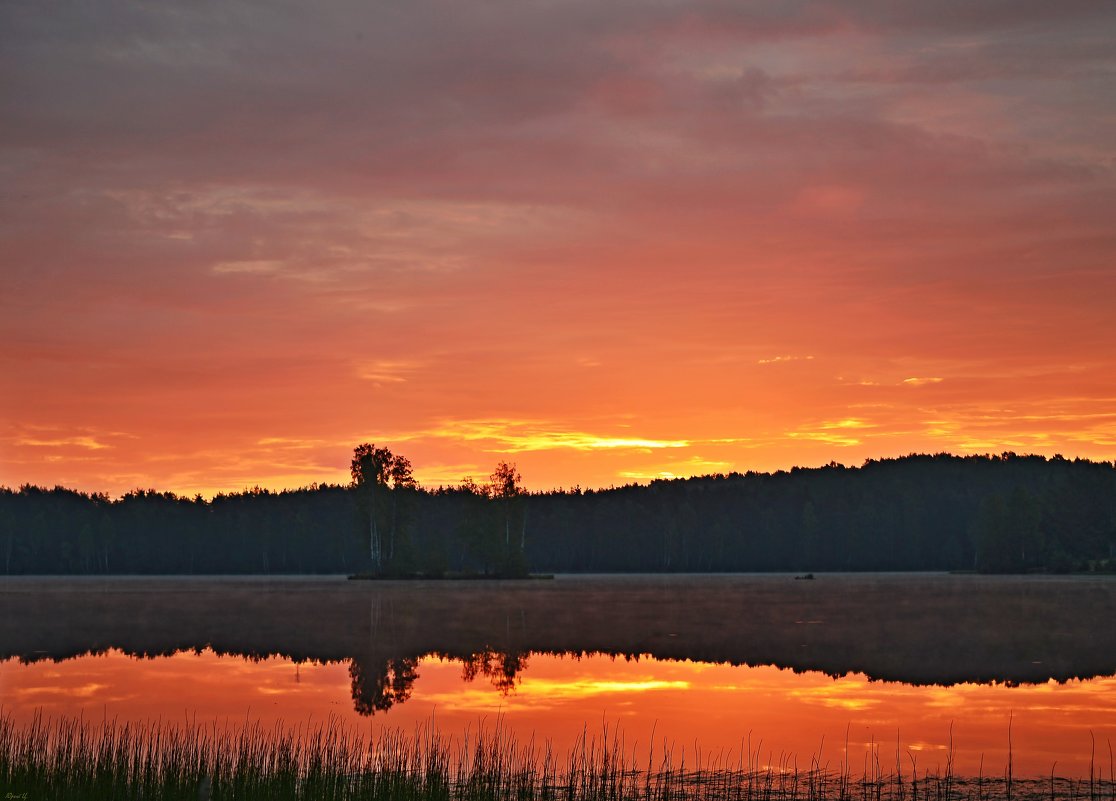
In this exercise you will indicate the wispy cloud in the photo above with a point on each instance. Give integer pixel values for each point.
(511, 232)
(921, 382)
(694, 466)
(834, 432)
(64, 442)
(254, 266)
(778, 359)
(288, 442)
(387, 371)
(516, 436)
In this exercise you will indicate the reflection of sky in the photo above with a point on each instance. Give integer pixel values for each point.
(544, 694)
(718, 708)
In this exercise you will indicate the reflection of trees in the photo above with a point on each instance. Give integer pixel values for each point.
(391, 684)
(502, 669)
(379, 684)
(919, 630)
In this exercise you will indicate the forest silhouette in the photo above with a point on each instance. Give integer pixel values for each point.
(995, 514)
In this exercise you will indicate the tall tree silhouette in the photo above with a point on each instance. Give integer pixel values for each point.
(377, 472)
(505, 489)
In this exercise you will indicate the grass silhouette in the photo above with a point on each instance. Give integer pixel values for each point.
(73, 759)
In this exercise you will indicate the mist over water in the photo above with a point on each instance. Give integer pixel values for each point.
(699, 662)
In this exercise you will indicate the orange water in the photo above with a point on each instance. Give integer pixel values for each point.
(694, 708)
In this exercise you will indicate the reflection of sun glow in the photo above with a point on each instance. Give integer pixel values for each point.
(586, 687)
(72, 691)
(539, 694)
(832, 698)
(556, 698)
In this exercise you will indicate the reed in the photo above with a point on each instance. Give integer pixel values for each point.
(73, 759)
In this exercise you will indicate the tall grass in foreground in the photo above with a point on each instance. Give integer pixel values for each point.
(74, 759)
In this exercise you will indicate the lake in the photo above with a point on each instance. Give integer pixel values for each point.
(761, 668)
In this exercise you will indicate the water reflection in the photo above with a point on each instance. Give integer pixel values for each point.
(501, 669)
(912, 629)
(378, 685)
(387, 684)
(870, 655)
(716, 707)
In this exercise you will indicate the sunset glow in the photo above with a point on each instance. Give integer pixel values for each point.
(611, 242)
(687, 705)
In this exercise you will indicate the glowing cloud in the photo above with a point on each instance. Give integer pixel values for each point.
(387, 371)
(513, 436)
(778, 359)
(921, 382)
(469, 234)
(66, 442)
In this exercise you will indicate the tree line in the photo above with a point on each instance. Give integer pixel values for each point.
(998, 513)
(404, 540)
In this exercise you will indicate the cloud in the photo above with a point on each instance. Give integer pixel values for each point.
(833, 432)
(921, 382)
(387, 370)
(778, 359)
(263, 266)
(287, 442)
(65, 442)
(682, 468)
(518, 436)
(224, 223)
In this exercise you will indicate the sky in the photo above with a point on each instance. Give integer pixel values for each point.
(609, 242)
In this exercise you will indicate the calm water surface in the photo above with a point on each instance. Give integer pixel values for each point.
(716, 665)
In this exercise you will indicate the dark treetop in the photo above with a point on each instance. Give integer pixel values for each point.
(995, 514)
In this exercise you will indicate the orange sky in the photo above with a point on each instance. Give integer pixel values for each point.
(609, 241)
